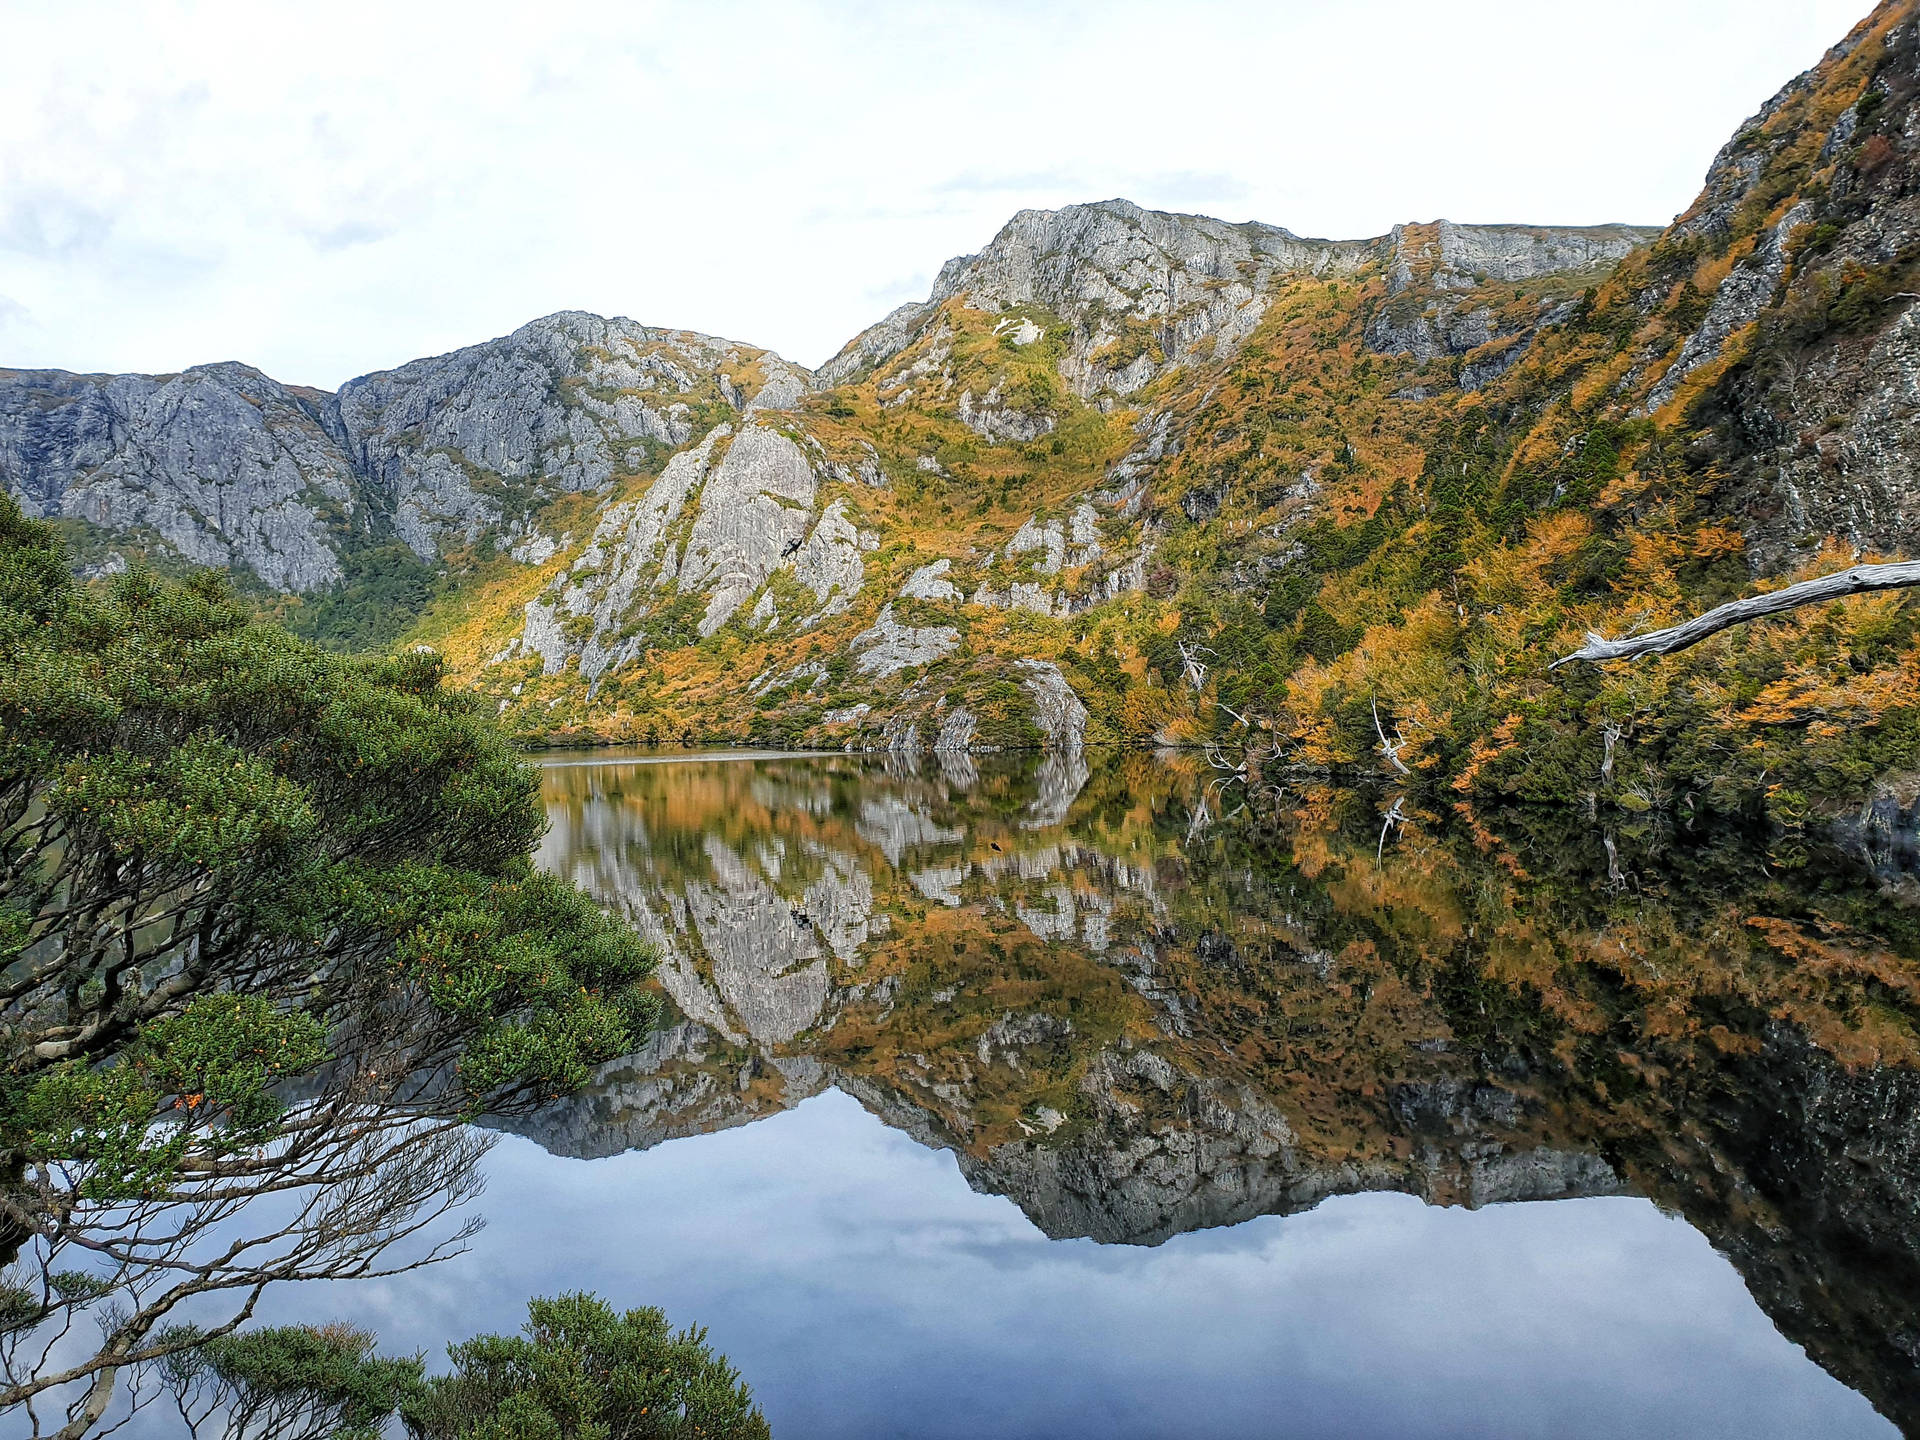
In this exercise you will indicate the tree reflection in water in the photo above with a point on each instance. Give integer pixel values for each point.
(1136, 1019)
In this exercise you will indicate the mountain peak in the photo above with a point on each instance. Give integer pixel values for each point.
(1114, 272)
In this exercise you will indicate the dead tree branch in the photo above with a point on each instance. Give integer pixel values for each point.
(1389, 748)
(1859, 580)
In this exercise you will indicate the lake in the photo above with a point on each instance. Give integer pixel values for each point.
(1089, 1096)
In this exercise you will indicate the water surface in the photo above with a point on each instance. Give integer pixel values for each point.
(1084, 1098)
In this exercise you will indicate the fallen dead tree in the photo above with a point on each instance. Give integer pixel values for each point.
(1858, 580)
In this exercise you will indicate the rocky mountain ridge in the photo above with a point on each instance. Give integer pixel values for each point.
(222, 465)
(704, 482)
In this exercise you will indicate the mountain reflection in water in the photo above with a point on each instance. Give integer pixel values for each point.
(1136, 1018)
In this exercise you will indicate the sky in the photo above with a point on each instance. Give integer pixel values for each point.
(325, 190)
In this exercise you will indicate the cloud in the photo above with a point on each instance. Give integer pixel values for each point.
(45, 224)
(347, 234)
(976, 182)
(178, 182)
(13, 315)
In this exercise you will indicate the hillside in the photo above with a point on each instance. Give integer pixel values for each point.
(1130, 477)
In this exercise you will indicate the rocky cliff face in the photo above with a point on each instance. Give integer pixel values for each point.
(218, 465)
(463, 444)
(1817, 205)
(1139, 292)
(221, 465)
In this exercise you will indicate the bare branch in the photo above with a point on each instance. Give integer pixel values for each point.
(1859, 580)
(1388, 748)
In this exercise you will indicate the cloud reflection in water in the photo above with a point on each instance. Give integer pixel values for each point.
(865, 1291)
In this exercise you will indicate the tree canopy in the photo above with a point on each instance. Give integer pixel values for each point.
(268, 925)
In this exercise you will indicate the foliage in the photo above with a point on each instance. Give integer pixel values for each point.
(209, 1072)
(290, 1382)
(383, 588)
(580, 1369)
(270, 929)
(192, 801)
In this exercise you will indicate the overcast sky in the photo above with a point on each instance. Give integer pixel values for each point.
(323, 190)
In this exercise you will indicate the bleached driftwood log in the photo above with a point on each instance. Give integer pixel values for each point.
(1859, 580)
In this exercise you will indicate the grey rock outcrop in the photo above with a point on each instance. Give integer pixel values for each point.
(1436, 272)
(1144, 291)
(745, 502)
(563, 404)
(623, 560)
(219, 464)
(1109, 269)
(1057, 711)
(991, 418)
(754, 511)
(1738, 302)
(930, 582)
(1461, 257)
(768, 965)
(889, 647)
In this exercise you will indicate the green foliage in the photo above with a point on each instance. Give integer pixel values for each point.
(384, 589)
(210, 1069)
(582, 1371)
(295, 1382)
(329, 834)
(1003, 717)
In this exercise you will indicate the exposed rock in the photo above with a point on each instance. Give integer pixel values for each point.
(1050, 539)
(930, 582)
(1736, 304)
(992, 418)
(623, 558)
(829, 562)
(941, 883)
(865, 470)
(754, 505)
(1003, 1040)
(1459, 257)
(956, 732)
(1434, 270)
(840, 906)
(890, 647)
(1143, 291)
(1021, 595)
(222, 465)
(1057, 711)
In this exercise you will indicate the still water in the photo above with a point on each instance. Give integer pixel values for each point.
(1083, 1098)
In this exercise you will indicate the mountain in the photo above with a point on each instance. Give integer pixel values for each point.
(294, 489)
(1128, 476)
